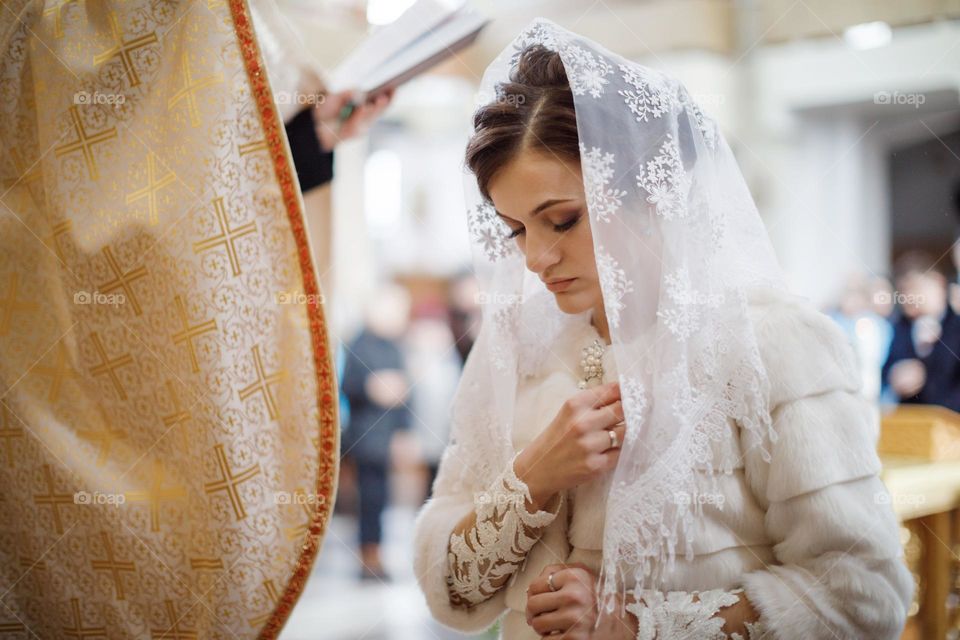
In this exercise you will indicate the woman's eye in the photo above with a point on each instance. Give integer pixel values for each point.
(514, 233)
(566, 225)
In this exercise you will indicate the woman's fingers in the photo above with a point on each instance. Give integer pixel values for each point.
(561, 575)
(603, 395)
(613, 412)
(603, 418)
(544, 603)
(621, 432)
(545, 623)
(541, 584)
(600, 441)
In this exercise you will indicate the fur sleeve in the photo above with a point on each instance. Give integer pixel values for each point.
(435, 522)
(841, 573)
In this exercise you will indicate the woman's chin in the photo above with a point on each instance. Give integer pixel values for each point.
(571, 303)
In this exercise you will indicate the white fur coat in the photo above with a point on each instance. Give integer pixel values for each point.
(809, 535)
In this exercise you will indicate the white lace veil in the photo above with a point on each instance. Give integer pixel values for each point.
(678, 245)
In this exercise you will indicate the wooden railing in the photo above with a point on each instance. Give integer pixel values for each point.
(920, 449)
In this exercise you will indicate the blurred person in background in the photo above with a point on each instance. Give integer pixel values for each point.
(868, 331)
(376, 385)
(435, 365)
(922, 366)
(464, 314)
(953, 291)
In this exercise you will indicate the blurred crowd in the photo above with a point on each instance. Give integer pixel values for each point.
(906, 334)
(398, 376)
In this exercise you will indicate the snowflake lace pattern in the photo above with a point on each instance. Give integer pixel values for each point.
(586, 73)
(665, 181)
(615, 285)
(603, 201)
(646, 100)
(634, 398)
(489, 233)
(682, 313)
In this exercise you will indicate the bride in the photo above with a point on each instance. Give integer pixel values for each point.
(651, 438)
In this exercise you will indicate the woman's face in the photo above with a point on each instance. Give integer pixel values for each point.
(540, 197)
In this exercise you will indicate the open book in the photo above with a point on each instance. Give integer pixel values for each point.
(424, 35)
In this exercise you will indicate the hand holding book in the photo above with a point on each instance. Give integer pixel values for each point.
(338, 118)
(427, 33)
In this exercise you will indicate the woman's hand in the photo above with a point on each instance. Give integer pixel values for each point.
(575, 447)
(571, 610)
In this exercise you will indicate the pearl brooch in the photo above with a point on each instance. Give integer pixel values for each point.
(591, 364)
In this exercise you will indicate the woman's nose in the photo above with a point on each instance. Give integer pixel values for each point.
(542, 252)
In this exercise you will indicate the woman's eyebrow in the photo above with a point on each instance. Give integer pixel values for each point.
(546, 204)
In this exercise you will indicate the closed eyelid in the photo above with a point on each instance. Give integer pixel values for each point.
(543, 206)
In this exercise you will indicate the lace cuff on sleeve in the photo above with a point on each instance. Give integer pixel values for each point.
(687, 614)
(482, 558)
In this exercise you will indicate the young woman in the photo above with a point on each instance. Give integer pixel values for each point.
(651, 438)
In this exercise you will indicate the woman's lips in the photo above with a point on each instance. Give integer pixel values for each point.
(560, 285)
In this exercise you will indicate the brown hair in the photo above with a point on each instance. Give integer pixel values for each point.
(533, 110)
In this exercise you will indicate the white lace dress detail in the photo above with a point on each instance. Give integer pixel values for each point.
(481, 559)
(682, 615)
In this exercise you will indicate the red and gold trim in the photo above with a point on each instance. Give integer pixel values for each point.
(329, 437)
